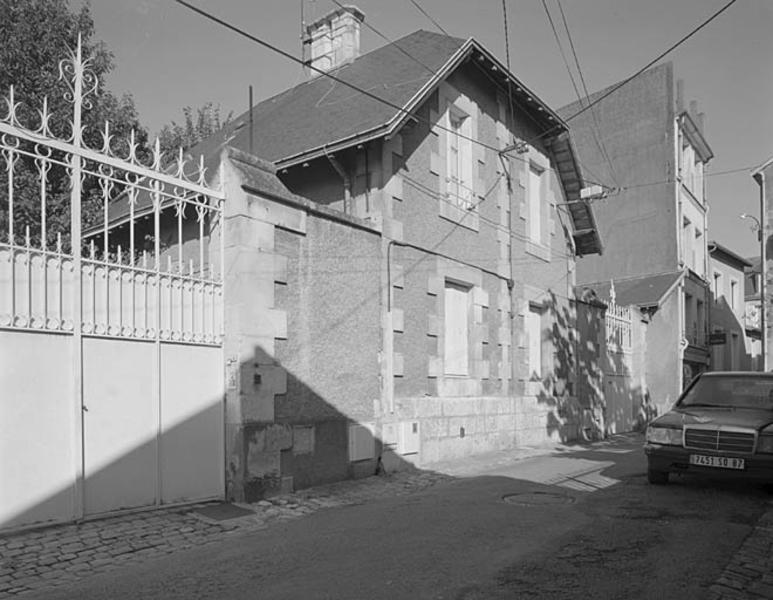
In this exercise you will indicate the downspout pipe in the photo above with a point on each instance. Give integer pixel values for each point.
(344, 177)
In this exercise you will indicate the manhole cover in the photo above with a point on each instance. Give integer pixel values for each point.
(537, 498)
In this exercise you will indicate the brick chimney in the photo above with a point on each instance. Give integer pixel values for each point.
(334, 40)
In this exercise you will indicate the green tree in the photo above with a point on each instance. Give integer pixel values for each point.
(36, 36)
(198, 125)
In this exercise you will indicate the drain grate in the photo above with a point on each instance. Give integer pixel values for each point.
(537, 498)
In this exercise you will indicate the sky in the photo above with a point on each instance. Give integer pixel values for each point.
(168, 57)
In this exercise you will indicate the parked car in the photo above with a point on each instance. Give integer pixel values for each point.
(721, 425)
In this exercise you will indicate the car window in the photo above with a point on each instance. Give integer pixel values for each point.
(735, 392)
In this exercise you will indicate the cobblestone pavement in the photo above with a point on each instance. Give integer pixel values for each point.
(58, 555)
(749, 575)
(62, 554)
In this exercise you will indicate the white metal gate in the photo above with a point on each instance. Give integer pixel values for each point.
(618, 397)
(111, 323)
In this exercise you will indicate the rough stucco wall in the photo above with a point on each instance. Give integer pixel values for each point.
(332, 300)
(663, 361)
(331, 297)
(636, 127)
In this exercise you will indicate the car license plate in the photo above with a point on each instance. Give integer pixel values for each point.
(721, 462)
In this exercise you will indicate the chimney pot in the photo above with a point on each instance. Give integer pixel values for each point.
(334, 39)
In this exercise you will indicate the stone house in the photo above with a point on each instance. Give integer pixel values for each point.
(399, 266)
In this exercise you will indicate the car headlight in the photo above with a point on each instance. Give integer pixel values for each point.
(664, 435)
(765, 444)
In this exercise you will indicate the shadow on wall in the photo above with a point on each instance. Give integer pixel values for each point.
(310, 441)
(139, 453)
(732, 355)
(589, 390)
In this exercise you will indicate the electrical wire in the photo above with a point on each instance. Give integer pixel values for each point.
(426, 14)
(664, 181)
(561, 50)
(637, 73)
(597, 129)
(371, 95)
(336, 79)
(571, 76)
(389, 41)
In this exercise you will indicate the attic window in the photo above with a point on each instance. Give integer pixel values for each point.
(459, 158)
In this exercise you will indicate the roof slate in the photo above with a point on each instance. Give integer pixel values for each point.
(321, 111)
(648, 290)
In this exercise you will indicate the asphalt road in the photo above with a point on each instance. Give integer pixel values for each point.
(582, 524)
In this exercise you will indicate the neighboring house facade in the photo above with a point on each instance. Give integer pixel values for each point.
(654, 223)
(439, 318)
(753, 312)
(731, 349)
(763, 175)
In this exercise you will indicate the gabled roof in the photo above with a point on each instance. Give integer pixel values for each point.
(726, 255)
(322, 115)
(644, 291)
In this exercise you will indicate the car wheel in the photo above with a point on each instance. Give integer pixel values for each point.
(657, 477)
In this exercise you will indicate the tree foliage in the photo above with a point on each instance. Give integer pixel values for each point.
(198, 125)
(36, 35)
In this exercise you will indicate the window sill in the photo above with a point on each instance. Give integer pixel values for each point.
(465, 218)
(541, 251)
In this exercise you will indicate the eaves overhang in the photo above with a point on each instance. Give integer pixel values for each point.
(759, 173)
(725, 254)
(696, 137)
(585, 233)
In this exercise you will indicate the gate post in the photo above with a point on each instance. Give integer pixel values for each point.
(76, 69)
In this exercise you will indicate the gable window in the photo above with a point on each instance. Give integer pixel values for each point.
(535, 204)
(457, 329)
(459, 159)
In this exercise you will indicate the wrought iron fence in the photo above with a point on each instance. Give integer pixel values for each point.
(99, 241)
(619, 324)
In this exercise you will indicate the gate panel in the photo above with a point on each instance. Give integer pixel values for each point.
(37, 436)
(120, 424)
(191, 423)
(88, 306)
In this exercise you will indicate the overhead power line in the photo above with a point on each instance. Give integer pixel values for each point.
(351, 86)
(597, 129)
(664, 181)
(636, 74)
(571, 77)
(319, 71)
(426, 14)
(561, 50)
